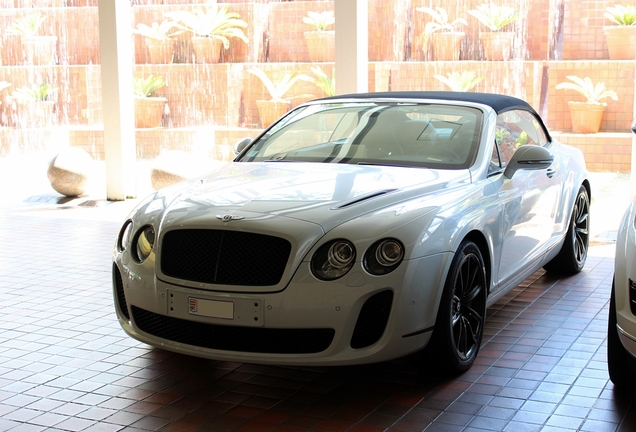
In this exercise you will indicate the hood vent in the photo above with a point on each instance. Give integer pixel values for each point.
(362, 198)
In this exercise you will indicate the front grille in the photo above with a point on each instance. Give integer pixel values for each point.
(120, 297)
(372, 320)
(224, 257)
(233, 338)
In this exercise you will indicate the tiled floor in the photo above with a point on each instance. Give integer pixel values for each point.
(65, 364)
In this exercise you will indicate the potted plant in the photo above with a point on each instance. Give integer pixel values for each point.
(159, 39)
(274, 108)
(35, 105)
(443, 34)
(586, 116)
(460, 82)
(211, 29)
(496, 42)
(323, 81)
(621, 36)
(38, 50)
(321, 42)
(149, 109)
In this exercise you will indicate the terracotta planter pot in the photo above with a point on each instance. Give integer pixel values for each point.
(206, 49)
(586, 117)
(321, 45)
(269, 110)
(497, 45)
(40, 50)
(36, 114)
(160, 51)
(447, 46)
(149, 112)
(621, 42)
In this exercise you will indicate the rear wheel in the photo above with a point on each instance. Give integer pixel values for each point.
(620, 364)
(573, 254)
(459, 327)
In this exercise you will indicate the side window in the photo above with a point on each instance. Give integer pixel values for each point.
(514, 129)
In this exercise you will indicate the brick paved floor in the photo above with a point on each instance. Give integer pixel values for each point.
(65, 364)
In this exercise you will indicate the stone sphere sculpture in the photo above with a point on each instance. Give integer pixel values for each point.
(69, 171)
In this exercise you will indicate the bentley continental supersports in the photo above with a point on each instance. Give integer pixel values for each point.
(356, 229)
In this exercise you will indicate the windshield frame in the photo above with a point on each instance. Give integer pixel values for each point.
(408, 133)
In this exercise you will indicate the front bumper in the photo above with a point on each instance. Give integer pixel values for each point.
(359, 319)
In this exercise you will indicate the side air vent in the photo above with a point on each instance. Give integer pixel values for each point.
(372, 320)
(120, 297)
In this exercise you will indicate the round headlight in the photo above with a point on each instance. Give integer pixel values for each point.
(144, 242)
(333, 259)
(124, 236)
(384, 256)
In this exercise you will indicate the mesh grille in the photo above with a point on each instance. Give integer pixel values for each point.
(372, 320)
(120, 297)
(224, 257)
(234, 338)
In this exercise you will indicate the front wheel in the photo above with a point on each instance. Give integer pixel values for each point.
(573, 254)
(459, 327)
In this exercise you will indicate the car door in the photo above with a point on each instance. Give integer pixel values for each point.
(530, 199)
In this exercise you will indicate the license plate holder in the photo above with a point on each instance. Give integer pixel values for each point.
(233, 310)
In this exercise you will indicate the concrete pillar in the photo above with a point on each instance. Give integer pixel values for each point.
(115, 40)
(352, 46)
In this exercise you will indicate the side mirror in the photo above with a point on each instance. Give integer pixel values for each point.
(240, 146)
(529, 157)
(634, 125)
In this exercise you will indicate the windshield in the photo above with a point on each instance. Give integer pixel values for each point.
(399, 134)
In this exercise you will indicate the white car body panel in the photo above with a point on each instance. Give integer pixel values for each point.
(624, 271)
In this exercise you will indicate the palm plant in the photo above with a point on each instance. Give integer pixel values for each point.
(320, 20)
(27, 26)
(621, 15)
(158, 31)
(495, 17)
(39, 93)
(211, 22)
(440, 22)
(278, 89)
(145, 87)
(460, 82)
(324, 82)
(594, 93)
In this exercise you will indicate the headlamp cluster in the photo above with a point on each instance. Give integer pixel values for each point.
(335, 258)
(141, 242)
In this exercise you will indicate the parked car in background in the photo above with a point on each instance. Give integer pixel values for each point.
(356, 229)
(621, 331)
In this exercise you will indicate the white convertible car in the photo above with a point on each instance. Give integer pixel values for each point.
(356, 229)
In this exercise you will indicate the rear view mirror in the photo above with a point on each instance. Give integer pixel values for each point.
(529, 157)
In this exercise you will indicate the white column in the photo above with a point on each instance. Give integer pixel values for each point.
(352, 46)
(115, 40)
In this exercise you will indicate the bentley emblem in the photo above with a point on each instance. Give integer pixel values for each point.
(229, 217)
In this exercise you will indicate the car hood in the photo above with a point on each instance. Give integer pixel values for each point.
(323, 194)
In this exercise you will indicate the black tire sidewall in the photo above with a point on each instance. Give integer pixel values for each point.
(442, 346)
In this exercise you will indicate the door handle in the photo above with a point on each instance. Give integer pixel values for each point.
(550, 172)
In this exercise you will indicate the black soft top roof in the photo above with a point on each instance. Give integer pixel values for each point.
(497, 102)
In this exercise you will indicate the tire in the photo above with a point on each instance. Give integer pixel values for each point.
(571, 258)
(620, 363)
(459, 326)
